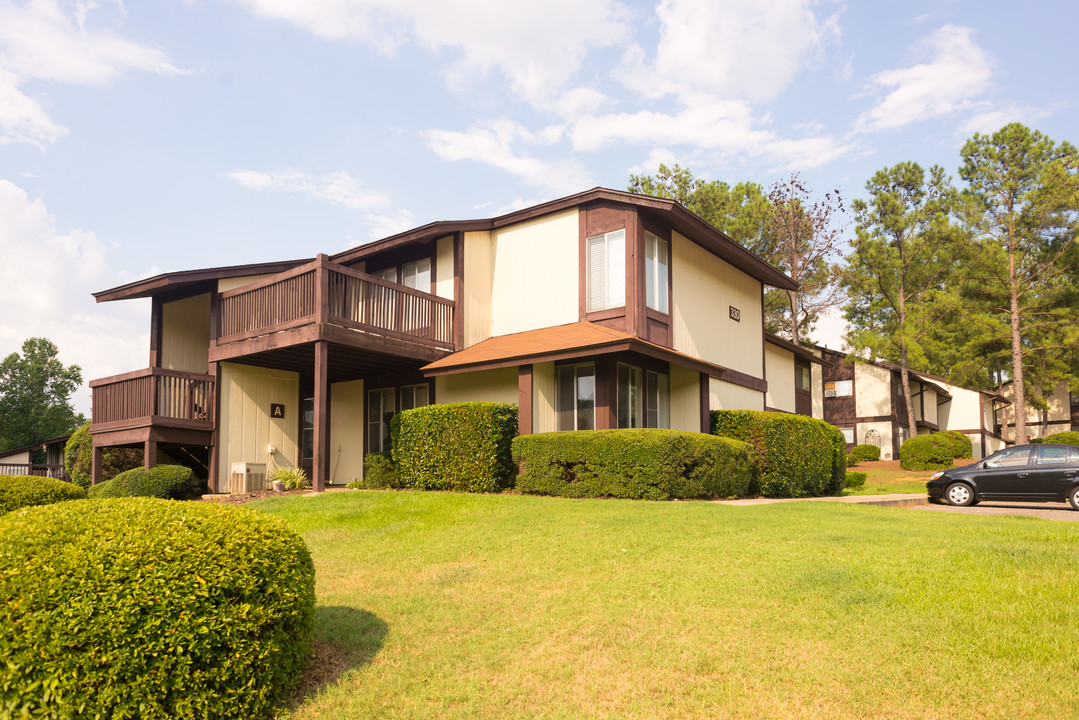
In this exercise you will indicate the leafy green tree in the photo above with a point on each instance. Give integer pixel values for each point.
(898, 266)
(740, 212)
(1022, 205)
(35, 395)
(804, 235)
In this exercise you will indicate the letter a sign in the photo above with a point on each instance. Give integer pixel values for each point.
(277, 410)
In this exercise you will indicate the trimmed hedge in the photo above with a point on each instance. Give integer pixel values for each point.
(962, 447)
(78, 455)
(166, 482)
(649, 464)
(460, 446)
(378, 472)
(927, 452)
(17, 491)
(855, 479)
(142, 608)
(794, 455)
(865, 453)
(1065, 438)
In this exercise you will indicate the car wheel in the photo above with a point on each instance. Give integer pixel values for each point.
(1073, 497)
(959, 494)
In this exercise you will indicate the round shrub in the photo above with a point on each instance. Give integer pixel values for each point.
(378, 472)
(78, 456)
(1064, 438)
(143, 608)
(865, 453)
(961, 445)
(174, 482)
(18, 491)
(854, 479)
(794, 455)
(460, 446)
(927, 452)
(647, 464)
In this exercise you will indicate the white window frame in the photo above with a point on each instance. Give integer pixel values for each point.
(574, 372)
(656, 268)
(848, 434)
(657, 401)
(605, 258)
(417, 274)
(840, 388)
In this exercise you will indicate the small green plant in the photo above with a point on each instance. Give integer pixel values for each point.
(168, 482)
(864, 453)
(1067, 437)
(855, 479)
(294, 478)
(379, 471)
(17, 491)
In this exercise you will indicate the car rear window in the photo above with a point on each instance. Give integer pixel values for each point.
(1053, 455)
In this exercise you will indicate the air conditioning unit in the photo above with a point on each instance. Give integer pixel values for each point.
(829, 393)
(247, 477)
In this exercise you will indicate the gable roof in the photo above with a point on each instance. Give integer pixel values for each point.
(671, 211)
(798, 350)
(166, 282)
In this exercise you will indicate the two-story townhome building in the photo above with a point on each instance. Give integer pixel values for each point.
(599, 310)
(864, 399)
(1061, 414)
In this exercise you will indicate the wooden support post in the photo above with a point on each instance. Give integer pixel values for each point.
(214, 412)
(155, 331)
(149, 454)
(95, 465)
(524, 400)
(706, 417)
(320, 466)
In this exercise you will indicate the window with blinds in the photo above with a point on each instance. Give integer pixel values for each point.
(655, 272)
(606, 275)
(417, 275)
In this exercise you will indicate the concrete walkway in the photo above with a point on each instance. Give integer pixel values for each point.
(896, 500)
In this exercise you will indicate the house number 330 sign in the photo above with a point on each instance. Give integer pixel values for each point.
(736, 314)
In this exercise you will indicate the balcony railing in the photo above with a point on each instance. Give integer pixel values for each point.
(39, 469)
(154, 396)
(323, 292)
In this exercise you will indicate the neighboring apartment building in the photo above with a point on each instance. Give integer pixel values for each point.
(1061, 415)
(864, 399)
(600, 310)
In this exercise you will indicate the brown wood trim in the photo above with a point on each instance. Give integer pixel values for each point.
(634, 277)
(606, 393)
(706, 403)
(608, 314)
(156, 310)
(376, 330)
(147, 372)
(582, 264)
(321, 459)
(215, 317)
(273, 279)
(524, 400)
(458, 290)
(404, 347)
(743, 380)
(150, 421)
(269, 329)
(215, 438)
(185, 278)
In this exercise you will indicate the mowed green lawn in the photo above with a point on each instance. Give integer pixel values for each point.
(888, 478)
(463, 606)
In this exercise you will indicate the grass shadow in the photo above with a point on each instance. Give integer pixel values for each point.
(345, 638)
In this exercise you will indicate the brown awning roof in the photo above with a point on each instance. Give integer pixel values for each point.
(565, 342)
(186, 278)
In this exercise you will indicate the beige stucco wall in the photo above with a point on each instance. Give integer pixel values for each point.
(702, 289)
(779, 364)
(872, 390)
(246, 428)
(479, 266)
(885, 430)
(482, 386)
(993, 444)
(185, 334)
(226, 284)
(543, 398)
(444, 267)
(817, 376)
(686, 399)
(727, 396)
(536, 281)
(346, 431)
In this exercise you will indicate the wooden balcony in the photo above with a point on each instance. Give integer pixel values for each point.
(326, 301)
(153, 397)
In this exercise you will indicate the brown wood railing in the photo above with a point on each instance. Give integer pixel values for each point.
(153, 395)
(39, 469)
(324, 292)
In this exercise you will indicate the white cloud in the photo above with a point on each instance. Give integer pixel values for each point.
(49, 41)
(338, 188)
(988, 119)
(493, 143)
(956, 72)
(538, 44)
(744, 49)
(47, 276)
(705, 122)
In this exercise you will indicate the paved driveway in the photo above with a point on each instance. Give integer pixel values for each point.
(1048, 511)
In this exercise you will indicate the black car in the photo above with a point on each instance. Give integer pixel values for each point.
(1026, 473)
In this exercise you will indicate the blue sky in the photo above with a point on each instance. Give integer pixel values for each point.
(148, 137)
